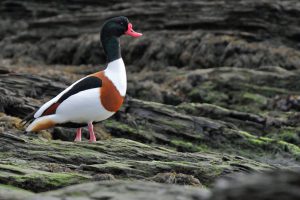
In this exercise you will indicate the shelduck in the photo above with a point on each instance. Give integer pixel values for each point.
(95, 97)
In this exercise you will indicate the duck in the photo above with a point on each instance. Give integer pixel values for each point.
(95, 97)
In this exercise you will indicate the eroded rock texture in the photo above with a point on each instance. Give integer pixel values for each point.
(213, 91)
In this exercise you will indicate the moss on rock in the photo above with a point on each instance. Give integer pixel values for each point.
(36, 180)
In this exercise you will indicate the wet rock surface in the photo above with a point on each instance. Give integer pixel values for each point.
(38, 165)
(271, 185)
(213, 92)
(245, 33)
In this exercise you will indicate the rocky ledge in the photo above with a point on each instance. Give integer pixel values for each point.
(179, 147)
(212, 110)
(124, 169)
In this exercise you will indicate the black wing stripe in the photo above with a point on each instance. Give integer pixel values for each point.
(86, 84)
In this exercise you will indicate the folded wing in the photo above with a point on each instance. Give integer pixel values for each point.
(83, 84)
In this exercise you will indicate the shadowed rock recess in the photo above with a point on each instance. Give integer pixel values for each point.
(211, 112)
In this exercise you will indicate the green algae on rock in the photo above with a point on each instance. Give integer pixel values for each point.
(46, 165)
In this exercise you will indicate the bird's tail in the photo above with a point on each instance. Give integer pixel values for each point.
(42, 123)
(28, 119)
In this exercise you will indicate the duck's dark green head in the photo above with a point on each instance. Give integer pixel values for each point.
(117, 27)
(110, 33)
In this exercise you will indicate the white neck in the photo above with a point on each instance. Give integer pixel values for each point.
(116, 72)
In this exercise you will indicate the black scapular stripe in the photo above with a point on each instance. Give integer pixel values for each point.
(86, 84)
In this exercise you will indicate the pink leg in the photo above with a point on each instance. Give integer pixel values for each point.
(78, 135)
(91, 130)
